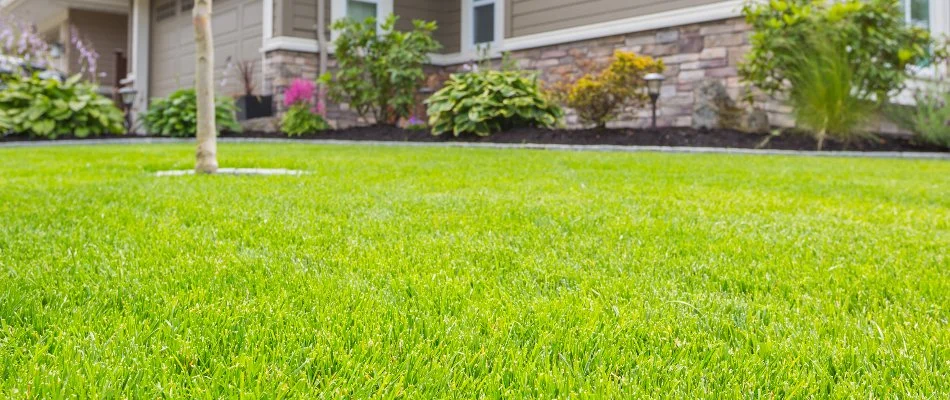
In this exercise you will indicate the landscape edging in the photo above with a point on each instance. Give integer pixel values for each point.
(531, 146)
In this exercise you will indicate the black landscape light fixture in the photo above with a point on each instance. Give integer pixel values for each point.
(654, 83)
(127, 96)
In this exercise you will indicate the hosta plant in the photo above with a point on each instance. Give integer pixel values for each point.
(49, 108)
(485, 102)
(177, 115)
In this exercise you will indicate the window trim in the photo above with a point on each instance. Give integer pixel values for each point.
(468, 24)
(338, 11)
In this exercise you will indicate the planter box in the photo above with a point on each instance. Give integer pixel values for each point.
(250, 107)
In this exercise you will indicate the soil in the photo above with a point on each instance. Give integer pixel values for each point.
(674, 137)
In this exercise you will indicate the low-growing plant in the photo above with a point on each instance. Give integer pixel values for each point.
(302, 115)
(416, 124)
(380, 68)
(930, 119)
(484, 102)
(48, 108)
(301, 119)
(177, 114)
(603, 91)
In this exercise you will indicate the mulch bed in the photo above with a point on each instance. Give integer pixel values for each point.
(674, 137)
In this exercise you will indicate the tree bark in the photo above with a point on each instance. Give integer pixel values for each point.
(322, 43)
(207, 161)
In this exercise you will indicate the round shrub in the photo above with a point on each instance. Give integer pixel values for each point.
(177, 115)
(48, 108)
(490, 101)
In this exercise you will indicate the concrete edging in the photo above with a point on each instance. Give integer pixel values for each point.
(531, 146)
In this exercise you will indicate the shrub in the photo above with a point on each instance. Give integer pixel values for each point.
(49, 108)
(822, 93)
(177, 114)
(598, 97)
(490, 101)
(380, 71)
(878, 44)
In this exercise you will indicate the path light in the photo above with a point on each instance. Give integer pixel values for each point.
(654, 83)
(127, 95)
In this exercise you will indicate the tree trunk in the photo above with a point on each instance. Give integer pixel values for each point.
(324, 48)
(207, 161)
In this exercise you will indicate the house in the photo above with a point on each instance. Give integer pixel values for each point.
(103, 24)
(699, 40)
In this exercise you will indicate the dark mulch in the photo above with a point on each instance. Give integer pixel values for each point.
(675, 137)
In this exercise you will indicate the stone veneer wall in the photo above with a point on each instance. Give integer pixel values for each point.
(693, 54)
(281, 67)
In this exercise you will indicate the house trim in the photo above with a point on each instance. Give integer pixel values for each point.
(468, 25)
(685, 16)
(710, 12)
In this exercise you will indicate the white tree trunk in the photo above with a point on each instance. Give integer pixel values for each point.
(207, 161)
(322, 42)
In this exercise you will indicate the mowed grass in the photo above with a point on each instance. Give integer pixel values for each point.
(464, 273)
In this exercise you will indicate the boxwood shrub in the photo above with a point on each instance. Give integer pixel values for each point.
(490, 101)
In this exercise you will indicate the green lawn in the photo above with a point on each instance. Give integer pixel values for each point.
(431, 273)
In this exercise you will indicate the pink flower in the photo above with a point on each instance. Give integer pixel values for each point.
(300, 91)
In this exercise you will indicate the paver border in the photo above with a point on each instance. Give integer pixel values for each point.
(531, 146)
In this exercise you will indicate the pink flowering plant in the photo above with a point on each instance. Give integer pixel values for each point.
(304, 113)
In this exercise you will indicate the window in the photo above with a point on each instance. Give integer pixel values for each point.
(483, 21)
(917, 12)
(359, 10)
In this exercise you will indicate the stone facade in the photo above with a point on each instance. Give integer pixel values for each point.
(281, 67)
(694, 55)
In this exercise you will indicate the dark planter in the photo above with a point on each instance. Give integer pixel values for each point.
(250, 107)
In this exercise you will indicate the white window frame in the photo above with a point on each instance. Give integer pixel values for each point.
(468, 24)
(338, 11)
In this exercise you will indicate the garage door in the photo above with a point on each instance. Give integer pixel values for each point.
(238, 33)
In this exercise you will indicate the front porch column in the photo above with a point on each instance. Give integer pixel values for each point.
(139, 54)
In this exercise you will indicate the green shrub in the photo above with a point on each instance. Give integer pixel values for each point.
(598, 97)
(177, 114)
(300, 119)
(878, 44)
(822, 93)
(380, 71)
(930, 119)
(490, 101)
(48, 108)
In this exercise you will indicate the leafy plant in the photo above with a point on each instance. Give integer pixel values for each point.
(823, 90)
(177, 114)
(416, 124)
(301, 119)
(490, 101)
(602, 92)
(48, 108)
(380, 71)
(878, 45)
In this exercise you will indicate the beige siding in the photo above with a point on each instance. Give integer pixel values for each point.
(298, 18)
(527, 17)
(447, 14)
(106, 32)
